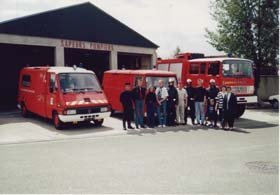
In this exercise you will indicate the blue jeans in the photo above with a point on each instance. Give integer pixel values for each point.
(139, 112)
(161, 113)
(199, 112)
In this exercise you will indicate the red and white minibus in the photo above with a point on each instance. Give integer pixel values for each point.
(63, 94)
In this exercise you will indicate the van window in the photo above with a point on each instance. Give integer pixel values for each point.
(194, 69)
(176, 68)
(52, 83)
(152, 81)
(202, 68)
(26, 80)
(77, 82)
(214, 69)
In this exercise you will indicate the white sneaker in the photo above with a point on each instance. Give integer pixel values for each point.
(159, 126)
(163, 126)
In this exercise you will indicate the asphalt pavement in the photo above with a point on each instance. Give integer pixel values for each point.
(184, 159)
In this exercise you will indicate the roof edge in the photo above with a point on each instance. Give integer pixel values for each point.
(43, 12)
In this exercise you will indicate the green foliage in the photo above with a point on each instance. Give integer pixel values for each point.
(247, 28)
(176, 51)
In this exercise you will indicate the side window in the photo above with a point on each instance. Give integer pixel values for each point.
(214, 69)
(194, 69)
(163, 67)
(202, 68)
(52, 83)
(26, 80)
(177, 68)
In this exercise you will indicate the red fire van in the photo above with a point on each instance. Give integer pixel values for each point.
(114, 80)
(63, 94)
(234, 72)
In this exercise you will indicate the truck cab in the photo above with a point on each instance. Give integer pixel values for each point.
(234, 72)
(114, 80)
(63, 94)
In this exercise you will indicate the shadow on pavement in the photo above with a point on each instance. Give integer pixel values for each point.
(244, 123)
(70, 129)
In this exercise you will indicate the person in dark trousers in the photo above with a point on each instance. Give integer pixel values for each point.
(200, 103)
(212, 91)
(126, 99)
(212, 113)
(151, 103)
(229, 107)
(172, 101)
(190, 109)
(139, 93)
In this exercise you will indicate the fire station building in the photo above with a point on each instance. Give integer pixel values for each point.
(81, 35)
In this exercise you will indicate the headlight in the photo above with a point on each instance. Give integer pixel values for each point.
(250, 89)
(104, 109)
(70, 112)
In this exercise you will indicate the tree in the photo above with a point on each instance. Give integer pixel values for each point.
(247, 28)
(176, 51)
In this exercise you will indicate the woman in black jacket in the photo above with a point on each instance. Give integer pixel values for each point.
(151, 103)
(229, 107)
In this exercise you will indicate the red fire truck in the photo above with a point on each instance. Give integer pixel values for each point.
(234, 72)
(63, 94)
(114, 80)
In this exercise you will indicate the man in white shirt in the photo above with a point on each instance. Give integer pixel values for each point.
(161, 94)
(182, 103)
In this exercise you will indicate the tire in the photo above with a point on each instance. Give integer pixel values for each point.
(57, 122)
(275, 104)
(240, 110)
(98, 123)
(112, 112)
(24, 111)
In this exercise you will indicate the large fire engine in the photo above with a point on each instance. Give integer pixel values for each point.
(234, 72)
(63, 94)
(114, 80)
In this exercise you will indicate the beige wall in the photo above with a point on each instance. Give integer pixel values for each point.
(59, 49)
(269, 85)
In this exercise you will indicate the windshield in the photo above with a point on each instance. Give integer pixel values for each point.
(153, 81)
(70, 82)
(237, 68)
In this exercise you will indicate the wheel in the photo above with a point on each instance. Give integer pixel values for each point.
(98, 123)
(24, 111)
(112, 112)
(57, 122)
(275, 104)
(240, 110)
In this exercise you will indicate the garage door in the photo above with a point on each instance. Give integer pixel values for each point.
(13, 58)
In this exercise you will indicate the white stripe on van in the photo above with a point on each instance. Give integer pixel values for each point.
(28, 90)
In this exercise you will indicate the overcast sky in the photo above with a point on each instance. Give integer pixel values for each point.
(168, 23)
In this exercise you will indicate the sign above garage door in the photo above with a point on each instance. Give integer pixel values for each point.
(86, 45)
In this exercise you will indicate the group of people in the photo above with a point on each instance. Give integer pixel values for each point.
(172, 105)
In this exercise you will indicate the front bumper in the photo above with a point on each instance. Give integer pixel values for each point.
(247, 99)
(83, 117)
